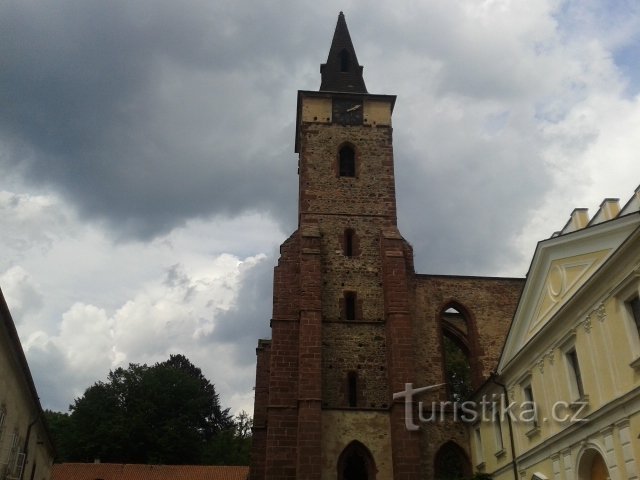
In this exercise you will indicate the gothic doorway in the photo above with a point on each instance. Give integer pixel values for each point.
(451, 463)
(356, 463)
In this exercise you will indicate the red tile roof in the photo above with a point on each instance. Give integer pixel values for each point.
(119, 471)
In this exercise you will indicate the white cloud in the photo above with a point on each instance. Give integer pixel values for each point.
(21, 292)
(101, 304)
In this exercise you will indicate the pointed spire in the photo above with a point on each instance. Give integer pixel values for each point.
(342, 73)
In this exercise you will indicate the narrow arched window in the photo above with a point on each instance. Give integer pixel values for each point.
(457, 364)
(352, 389)
(344, 60)
(349, 247)
(347, 162)
(350, 302)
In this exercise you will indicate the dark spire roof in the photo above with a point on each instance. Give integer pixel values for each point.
(342, 73)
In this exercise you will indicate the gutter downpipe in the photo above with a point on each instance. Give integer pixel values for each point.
(493, 377)
(25, 450)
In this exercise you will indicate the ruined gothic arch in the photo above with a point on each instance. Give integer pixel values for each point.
(459, 339)
(451, 462)
(356, 463)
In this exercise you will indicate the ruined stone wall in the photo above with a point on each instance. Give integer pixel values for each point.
(260, 411)
(488, 305)
(282, 409)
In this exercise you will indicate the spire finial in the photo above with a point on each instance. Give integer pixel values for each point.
(341, 72)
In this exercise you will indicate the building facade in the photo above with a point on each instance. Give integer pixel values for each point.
(574, 351)
(26, 451)
(353, 324)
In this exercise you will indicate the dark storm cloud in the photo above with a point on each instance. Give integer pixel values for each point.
(248, 320)
(148, 113)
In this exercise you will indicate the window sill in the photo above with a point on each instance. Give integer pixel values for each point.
(481, 466)
(580, 403)
(500, 453)
(533, 432)
(635, 364)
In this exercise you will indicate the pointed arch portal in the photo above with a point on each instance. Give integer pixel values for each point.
(356, 463)
(451, 462)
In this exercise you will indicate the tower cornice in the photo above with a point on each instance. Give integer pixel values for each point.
(329, 97)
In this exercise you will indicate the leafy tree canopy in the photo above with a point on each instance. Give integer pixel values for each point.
(167, 413)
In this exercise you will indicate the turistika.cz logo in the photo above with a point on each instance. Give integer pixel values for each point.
(488, 409)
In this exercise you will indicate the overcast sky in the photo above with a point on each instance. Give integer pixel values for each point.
(148, 173)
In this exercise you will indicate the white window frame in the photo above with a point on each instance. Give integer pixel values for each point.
(634, 324)
(625, 293)
(576, 381)
(531, 397)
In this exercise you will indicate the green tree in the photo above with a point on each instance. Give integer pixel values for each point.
(233, 446)
(168, 413)
(59, 427)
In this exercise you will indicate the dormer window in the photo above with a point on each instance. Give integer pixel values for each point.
(347, 162)
(344, 60)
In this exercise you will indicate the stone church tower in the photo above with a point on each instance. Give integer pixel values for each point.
(352, 323)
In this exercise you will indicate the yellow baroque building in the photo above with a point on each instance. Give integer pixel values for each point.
(564, 403)
(26, 450)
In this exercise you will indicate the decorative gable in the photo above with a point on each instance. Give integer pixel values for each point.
(561, 265)
(564, 277)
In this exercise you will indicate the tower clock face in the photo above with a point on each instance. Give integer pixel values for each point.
(347, 112)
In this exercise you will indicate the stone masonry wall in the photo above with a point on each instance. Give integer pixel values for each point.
(323, 191)
(259, 430)
(366, 205)
(489, 305)
(360, 348)
(282, 409)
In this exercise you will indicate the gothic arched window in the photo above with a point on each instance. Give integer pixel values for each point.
(456, 353)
